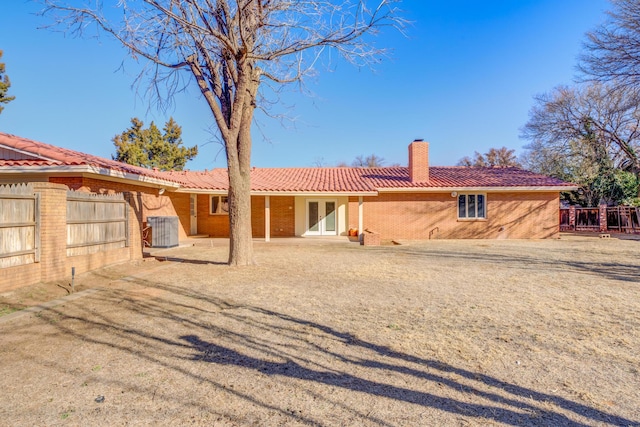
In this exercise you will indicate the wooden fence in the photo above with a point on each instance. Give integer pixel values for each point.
(19, 219)
(46, 232)
(624, 219)
(95, 223)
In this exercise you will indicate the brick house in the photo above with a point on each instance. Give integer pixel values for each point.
(415, 202)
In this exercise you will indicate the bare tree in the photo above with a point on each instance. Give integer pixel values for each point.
(551, 160)
(495, 157)
(477, 160)
(607, 116)
(230, 48)
(584, 134)
(612, 50)
(587, 164)
(320, 162)
(371, 161)
(503, 157)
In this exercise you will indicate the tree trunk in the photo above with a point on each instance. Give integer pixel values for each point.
(239, 170)
(240, 233)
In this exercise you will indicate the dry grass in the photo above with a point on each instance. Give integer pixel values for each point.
(432, 333)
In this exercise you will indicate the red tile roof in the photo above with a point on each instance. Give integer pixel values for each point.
(34, 162)
(51, 155)
(215, 179)
(336, 180)
(459, 176)
(309, 179)
(358, 180)
(300, 180)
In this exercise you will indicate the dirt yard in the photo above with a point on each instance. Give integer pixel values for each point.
(447, 333)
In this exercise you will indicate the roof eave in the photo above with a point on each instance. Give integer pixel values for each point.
(27, 153)
(89, 169)
(191, 190)
(312, 193)
(302, 193)
(485, 189)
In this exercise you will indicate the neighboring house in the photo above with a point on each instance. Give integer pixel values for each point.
(414, 202)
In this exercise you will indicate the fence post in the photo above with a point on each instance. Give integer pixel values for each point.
(134, 223)
(602, 217)
(572, 217)
(53, 229)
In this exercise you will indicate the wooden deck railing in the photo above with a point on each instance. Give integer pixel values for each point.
(624, 219)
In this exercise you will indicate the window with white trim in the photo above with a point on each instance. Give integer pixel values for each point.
(472, 206)
(219, 205)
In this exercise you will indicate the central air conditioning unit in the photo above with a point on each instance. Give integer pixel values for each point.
(164, 231)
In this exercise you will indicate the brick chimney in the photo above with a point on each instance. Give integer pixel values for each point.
(419, 161)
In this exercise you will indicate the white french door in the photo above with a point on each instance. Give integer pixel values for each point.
(322, 218)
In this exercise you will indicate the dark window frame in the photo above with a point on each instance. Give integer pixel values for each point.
(218, 204)
(472, 206)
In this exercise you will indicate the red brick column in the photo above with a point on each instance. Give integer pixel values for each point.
(572, 217)
(53, 230)
(135, 205)
(602, 216)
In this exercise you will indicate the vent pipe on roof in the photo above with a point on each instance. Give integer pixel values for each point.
(419, 161)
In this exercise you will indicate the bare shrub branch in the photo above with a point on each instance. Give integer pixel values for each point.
(612, 50)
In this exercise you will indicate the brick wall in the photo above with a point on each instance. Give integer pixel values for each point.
(146, 200)
(17, 277)
(54, 263)
(53, 230)
(282, 209)
(412, 216)
(172, 204)
(282, 217)
(134, 200)
(394, 216)
(419, 161)
(212, 225)
(415, 216)
(73, 182)
(257, 215)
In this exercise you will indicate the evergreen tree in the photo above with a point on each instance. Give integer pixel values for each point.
(150, 148)
(4, 86)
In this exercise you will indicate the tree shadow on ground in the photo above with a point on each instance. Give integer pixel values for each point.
(516, 410)
(513, 410)
(246, 345)
(608, 270)
(188, 260)
(130, 339)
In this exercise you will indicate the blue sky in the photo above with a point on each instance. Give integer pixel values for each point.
(463, 79)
